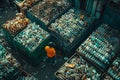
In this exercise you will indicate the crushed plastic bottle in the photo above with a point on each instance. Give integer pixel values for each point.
(47, 10)
(32, 36)
(17, 24)
(24, 4)
(77, 67)
(8, 63)
(70, 25)
(101, 46)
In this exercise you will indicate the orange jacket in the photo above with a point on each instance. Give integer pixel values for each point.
(50, 51)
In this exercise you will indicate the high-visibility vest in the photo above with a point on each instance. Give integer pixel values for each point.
(50, 51)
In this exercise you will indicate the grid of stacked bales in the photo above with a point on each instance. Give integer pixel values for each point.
(101, 46)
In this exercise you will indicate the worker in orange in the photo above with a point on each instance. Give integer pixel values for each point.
(51, 53)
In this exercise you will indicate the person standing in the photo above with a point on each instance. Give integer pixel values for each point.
(51, 53)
